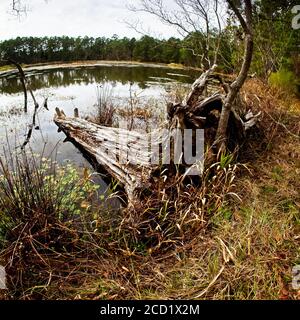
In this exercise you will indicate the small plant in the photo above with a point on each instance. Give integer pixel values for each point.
(105, 107)
(226, 160)
(42, 216)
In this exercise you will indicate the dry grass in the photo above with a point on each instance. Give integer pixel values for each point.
(45, 224)
(247, 248)
(138, 112)
(235, 236)
(178, 92)
(105, 107)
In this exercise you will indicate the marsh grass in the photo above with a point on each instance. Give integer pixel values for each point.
(43, 219)
(10, 112)
(177, 92)
(131, 113)
(105, 108)
(167, 217)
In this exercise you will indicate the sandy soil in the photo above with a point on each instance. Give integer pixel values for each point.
(80, 64)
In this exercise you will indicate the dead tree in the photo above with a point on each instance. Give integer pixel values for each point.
(213, 104)
(106, 147)
(189, 17)
(26, 87)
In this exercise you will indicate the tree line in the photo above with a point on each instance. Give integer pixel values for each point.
(276, 45)
(146, 49)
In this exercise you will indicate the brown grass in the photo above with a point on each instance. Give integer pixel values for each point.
(138, 112)
(241, 242)
(246, 249)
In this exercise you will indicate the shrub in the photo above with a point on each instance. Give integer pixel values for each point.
(43, 209)
(36, 187)
(284, 80)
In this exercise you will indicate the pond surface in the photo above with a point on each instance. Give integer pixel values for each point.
(76, 87)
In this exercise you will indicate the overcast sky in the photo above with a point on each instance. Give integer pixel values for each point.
(76, 18)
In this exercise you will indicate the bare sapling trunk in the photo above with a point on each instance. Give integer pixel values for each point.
(234, 88)
(26, 86)
(23, 82)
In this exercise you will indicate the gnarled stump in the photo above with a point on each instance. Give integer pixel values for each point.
(127, 155)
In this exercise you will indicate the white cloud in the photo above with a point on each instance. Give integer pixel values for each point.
(75, 18)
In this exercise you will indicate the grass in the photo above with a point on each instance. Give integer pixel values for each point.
(71, 64)
(9, 67)
(133, 113)
(5, 68)
(284, 80)
(105, 108)
(45, 221)
(176, 65)
(237, 239)
(13, 111)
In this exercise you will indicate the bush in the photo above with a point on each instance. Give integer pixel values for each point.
(284, 80)
(43, 213)
(36, 187)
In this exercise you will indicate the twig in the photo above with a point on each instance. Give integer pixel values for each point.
(31, 127)
(284, 127)
(211, 283)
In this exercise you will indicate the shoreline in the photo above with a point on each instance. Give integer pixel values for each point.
(92, 63)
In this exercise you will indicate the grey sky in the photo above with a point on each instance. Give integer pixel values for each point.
(76, 18)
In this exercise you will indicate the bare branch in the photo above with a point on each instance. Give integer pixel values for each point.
(238, 15)
(191, 18)
(18, 8)
(220, 31)
(156, 8)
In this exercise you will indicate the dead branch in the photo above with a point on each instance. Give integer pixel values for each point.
(22, 79)
(26, 86)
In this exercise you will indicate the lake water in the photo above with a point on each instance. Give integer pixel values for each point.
(76, 87)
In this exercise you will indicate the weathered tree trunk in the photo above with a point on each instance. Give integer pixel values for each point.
(121, 154)
(199, 110)
(235, 87)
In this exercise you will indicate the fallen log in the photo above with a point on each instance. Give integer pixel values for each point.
(122, 154)
(127, 155)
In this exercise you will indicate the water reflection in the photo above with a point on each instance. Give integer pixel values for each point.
(142, 76)
(70, 88)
